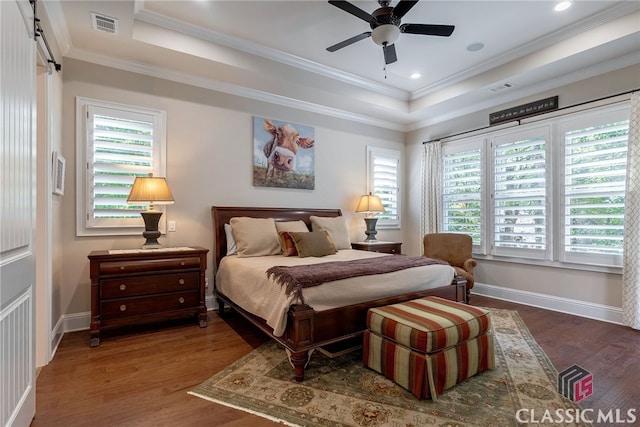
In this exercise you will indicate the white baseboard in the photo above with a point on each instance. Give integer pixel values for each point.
(575, 307)
(77, 321)
(81, 321)
(211, 302)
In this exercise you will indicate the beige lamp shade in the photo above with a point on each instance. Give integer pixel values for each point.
(369, 204)
(151, 190)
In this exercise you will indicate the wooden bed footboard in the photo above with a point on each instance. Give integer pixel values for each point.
(307, 329)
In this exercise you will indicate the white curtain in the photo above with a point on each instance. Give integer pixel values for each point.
(631, 262)
(431, 188)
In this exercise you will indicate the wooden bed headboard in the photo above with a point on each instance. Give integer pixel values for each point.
(222, 214)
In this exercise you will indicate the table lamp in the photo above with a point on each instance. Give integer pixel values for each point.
(370, 204)
(154, 191)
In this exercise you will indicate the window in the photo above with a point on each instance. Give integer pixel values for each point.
(595, 164)
(462, 190)
(116, 144)
(383, 170)
(554, 189)
(520, 193)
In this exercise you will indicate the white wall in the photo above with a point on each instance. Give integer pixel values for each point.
(590, 290)
(210, 156)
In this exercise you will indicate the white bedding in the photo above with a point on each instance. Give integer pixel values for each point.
(244, 280)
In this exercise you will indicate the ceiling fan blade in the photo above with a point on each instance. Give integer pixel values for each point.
(403, 7)
(352, 9)
(427, 29)
(347, 42)
(389, 53)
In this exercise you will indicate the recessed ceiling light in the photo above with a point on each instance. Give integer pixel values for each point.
(474, 47)
(563, 5)
(415, 75)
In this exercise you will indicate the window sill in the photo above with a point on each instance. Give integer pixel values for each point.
(551, 264)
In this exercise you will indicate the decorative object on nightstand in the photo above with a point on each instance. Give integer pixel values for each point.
(129, 287)
(370, 204)
(153, 191)
(378, 246)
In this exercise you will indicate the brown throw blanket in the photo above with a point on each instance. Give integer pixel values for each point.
(304, 276)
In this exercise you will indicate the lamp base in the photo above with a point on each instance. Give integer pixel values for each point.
(371, 229)
(151, 232)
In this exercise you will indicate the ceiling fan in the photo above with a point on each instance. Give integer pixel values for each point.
(385, 26)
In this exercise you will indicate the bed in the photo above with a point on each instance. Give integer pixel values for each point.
(304, 327)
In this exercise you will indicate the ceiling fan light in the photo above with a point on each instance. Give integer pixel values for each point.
(385, 34)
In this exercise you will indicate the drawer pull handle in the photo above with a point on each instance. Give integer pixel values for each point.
(123, 287)
(181, 281)
(123, 307)
(122, 267)
(181, 300)
(182, 263)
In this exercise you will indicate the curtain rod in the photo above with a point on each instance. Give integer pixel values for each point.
(39, 32)
(520, 120)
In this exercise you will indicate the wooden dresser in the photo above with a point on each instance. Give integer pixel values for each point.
(135, 286)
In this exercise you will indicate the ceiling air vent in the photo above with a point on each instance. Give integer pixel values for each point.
(104, 23)
(500, 88)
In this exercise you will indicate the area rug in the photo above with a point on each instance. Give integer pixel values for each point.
(340, 391)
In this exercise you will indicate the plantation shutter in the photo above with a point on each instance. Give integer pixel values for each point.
(122, 148)
(594, 189)
(119, 144)
(519, 194)
(384, 172)
(462, 194)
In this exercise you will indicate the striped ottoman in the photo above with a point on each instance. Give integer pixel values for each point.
(428, 345)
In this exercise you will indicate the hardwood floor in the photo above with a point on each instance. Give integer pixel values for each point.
(141, 378)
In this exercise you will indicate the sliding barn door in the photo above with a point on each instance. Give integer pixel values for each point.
(17, 213)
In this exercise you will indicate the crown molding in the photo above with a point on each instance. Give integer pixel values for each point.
(230, 88)
(612, 13)
(267, 53)
(581, 74)
(58, 24)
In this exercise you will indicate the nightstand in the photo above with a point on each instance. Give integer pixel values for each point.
(138, 285)
(378, 246)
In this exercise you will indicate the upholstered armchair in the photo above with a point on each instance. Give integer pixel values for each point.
(456, 250)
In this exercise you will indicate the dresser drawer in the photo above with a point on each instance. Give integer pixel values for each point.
(153, 265)
(134, 287)
(152, 284)
(118, 308)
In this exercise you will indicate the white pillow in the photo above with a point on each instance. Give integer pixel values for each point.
(336, 227)
(232, 248)
(295, 226)
(255, 236)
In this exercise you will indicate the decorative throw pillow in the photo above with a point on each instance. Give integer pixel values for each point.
(287, 244)
(255, 236)
(313, 243)
(336, 227)
(232, 248)
(298, 226)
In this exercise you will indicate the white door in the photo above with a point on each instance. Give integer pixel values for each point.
(17, 213)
